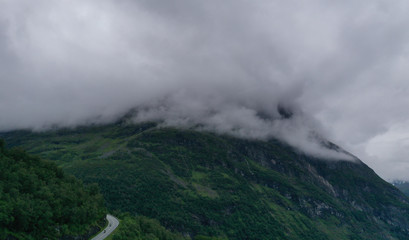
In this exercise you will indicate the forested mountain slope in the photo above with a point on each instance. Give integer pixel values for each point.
(38, 201)
(203, 184)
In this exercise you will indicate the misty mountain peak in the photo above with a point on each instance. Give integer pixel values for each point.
(284, 112)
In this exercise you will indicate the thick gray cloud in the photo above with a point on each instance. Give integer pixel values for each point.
(341, 66)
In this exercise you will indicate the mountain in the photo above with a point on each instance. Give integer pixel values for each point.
(403, 186)
(208, 186)
(38, 201)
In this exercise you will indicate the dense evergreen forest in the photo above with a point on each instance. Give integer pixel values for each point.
(39, 201)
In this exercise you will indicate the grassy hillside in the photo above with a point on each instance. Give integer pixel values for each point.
(38, 201)
(202, 184)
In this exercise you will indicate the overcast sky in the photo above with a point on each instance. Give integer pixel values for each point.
(342, 67)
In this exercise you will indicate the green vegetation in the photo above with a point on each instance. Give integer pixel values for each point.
(38, 201)
(208, 186)
(142, 228)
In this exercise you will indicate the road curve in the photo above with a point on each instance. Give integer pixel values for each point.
(112, 224)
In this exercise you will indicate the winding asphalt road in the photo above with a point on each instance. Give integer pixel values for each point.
(112, 224)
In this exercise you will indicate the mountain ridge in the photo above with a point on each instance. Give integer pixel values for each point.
(200, 183)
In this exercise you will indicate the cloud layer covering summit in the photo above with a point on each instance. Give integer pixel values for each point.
(342, 66)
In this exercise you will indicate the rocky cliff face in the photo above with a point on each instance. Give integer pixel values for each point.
(351, 185)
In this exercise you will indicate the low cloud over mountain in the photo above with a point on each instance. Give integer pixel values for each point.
(340, 68)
